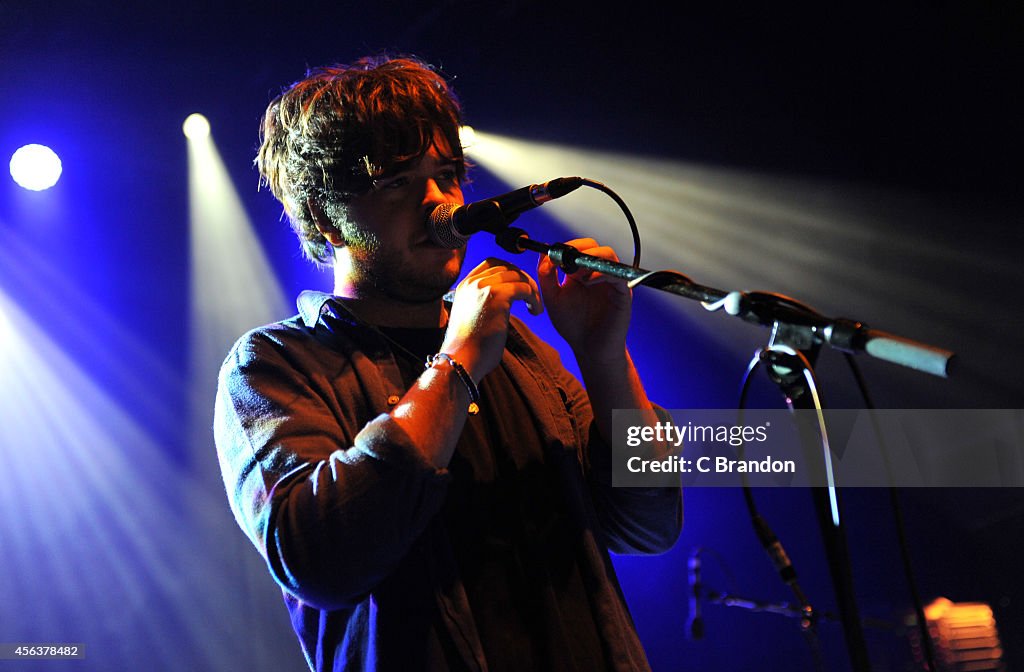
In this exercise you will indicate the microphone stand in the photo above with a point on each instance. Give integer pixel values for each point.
(800, 332)
(789, 610)
(793, 375)
(795, 323)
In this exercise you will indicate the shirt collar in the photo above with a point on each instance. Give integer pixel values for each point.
(311, 304)
(314, 306)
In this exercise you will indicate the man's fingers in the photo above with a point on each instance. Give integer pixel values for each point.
(494, 272)
(582, 244)
(504, 275)
(522, 287)
(547, 275)
(491, 263)
(481, 267)
(547, 272)
(528, 292)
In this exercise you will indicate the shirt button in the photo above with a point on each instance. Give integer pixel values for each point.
(393, 399)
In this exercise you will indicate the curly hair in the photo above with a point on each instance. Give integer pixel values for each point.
(327, 137)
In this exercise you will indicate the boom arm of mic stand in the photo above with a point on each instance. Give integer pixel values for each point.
(762, 308)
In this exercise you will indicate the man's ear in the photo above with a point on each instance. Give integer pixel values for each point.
(324, 225)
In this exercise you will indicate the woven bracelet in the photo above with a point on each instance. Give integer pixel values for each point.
(460, 371)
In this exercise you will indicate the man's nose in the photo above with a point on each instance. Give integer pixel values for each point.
(432, 193)
(433, 196)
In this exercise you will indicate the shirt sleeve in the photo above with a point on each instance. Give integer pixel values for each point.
(632, 520)
(333, 509)
(635, 520)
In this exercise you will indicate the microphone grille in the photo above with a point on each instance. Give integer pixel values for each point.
(441, 227)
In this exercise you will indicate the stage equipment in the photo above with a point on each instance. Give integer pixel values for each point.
(797, 336)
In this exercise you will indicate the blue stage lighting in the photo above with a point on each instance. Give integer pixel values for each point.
(35, 167)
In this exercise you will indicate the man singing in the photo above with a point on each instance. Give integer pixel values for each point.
(453, 515)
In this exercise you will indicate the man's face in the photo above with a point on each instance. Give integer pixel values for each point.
(386, 235)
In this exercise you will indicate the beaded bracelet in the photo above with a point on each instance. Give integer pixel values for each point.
(460, 371)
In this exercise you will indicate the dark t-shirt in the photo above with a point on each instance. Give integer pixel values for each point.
(513, 541)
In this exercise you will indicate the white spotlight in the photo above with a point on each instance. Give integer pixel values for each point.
(467, 137)
(35, 167)
(196, 127)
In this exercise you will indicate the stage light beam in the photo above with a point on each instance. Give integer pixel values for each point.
(234, 287)
(467, 137)
(92, 510)
(36, 167)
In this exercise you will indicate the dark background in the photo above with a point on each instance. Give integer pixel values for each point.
(906, 117)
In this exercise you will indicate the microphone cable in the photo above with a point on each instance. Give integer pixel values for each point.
(770, 542)
(594, 184)
(901, 532)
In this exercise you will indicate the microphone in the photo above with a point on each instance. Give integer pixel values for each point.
(451, 225)
(696, 626)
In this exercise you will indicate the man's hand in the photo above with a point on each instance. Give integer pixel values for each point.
(478, 322)
(590, 310)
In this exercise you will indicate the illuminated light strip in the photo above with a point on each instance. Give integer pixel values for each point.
(90, 516)
(234, 287)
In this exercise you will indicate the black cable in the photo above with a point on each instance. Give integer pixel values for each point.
(901, 533)
(772, 545)
(625, 209)
(748, 494)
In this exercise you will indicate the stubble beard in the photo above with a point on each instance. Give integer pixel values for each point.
(387, 274)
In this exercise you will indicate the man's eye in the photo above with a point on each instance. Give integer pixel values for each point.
(396, 183)
(450, 176)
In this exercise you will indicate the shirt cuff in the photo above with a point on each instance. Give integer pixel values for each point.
(384, 439)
